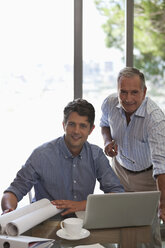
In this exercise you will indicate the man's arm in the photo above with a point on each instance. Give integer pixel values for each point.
(70, 206)
(110, 148)
(161, 186)
(9, 202)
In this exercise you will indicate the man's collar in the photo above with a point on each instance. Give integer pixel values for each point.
(65, 150)
(141, 110)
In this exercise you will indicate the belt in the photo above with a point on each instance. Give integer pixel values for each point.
(136, 172)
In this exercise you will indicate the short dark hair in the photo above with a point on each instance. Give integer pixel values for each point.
(82, 107)
(131, 72)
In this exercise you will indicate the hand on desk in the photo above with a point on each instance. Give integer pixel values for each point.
(8, 210)
(70, 206)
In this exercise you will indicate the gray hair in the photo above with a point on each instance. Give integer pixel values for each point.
(131, 72)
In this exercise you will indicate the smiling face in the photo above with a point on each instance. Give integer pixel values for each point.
(130, 93)
(77, 128)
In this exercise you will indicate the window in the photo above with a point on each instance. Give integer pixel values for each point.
(100, 65)
(149, 33)
(36, 77)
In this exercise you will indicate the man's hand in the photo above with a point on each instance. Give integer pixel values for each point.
(110, 149)
(70, 206)
(161, 187)
(161, 213)
(9, 202)
(8, 210)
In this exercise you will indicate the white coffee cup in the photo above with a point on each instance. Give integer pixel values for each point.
(72, 226)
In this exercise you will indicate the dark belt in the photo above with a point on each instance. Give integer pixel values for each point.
(136, 172)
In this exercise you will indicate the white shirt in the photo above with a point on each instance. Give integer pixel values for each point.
(142, 142)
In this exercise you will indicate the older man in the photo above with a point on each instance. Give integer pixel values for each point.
(133, 129)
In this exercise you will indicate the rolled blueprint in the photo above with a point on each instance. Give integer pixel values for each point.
(21, 220)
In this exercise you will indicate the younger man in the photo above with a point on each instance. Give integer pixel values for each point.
(65, 170)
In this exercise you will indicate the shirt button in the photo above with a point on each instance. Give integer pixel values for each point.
(75, 196)
(74, 181)
(74, 165)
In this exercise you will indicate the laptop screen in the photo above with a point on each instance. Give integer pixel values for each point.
(120, 209)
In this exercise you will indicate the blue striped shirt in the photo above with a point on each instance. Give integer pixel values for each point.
(56, 174)
(142, 142)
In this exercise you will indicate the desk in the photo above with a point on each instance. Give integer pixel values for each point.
(128, 237)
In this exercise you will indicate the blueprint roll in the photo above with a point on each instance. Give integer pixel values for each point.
(24, 223)
(21, 220)
(6, 218)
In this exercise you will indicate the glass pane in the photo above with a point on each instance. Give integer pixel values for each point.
(149, 43)
(36, 77)
(101, 63)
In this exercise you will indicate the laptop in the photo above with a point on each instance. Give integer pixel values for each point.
(120, 209)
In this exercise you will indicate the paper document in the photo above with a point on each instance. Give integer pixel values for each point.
(22, 219)
(90, 246)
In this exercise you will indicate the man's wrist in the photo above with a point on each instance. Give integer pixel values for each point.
(107, 142)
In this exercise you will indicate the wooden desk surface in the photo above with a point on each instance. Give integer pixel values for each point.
(128, 237)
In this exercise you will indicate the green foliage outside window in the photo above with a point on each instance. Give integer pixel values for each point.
(149, 33)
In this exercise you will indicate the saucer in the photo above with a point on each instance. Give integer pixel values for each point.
(62, 234)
